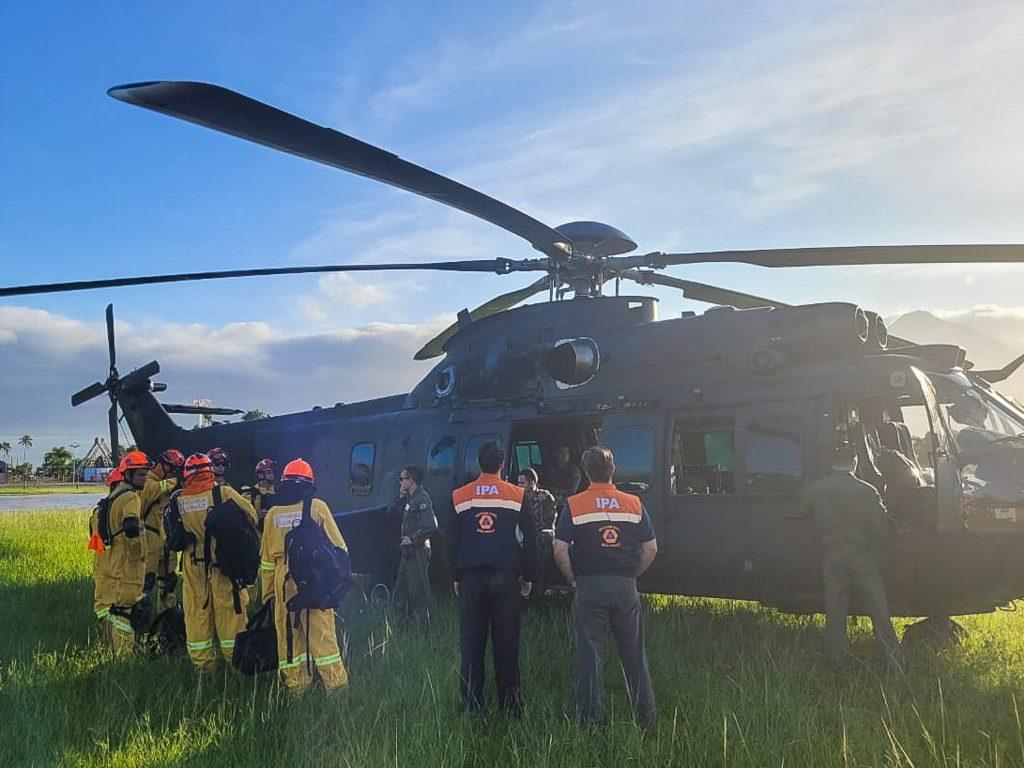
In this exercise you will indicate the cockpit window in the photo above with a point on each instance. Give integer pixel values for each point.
(975, 417)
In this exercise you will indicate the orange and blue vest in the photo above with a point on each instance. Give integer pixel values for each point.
(488, 524)
(606, 528)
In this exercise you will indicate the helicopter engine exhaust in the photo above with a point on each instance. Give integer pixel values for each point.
(573, 361)
(819, 327)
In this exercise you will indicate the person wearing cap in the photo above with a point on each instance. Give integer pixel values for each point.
(161, 565)
(301, 663)
(119, 565)
(613, 543)
(220, 461)
(215, 609)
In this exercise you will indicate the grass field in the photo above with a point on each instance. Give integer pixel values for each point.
(14, 489)
(736, 685)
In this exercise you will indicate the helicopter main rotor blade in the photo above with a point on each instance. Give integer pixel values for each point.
(702, 292)
(832, 256)
(497, 266)
(229, 112)
(435, 346)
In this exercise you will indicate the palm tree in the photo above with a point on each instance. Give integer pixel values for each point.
(5, 449)
(25, 442)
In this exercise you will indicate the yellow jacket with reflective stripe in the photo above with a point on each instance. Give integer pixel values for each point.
(278, 522)
(152, 499)
(120, 570)
(194, 509)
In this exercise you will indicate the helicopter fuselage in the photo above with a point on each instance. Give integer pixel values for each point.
(717, 421)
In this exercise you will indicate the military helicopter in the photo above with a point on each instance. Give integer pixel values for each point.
(716, 419)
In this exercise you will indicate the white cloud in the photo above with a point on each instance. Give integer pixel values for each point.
(46, 356)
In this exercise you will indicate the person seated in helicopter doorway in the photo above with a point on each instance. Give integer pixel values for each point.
(852, 524)
(563, 479)
(412, 585)
(539, 503)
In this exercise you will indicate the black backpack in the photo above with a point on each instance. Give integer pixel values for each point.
(176, 536)
(238, 544)
(256, 646)
(321, 571)
(167, 632)
(102, 512)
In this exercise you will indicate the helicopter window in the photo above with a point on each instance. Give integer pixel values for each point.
(774, 456)
(703, 457)
(441, 460)
(361, 468)
(473, 446)
(633, 446)
(527, 455)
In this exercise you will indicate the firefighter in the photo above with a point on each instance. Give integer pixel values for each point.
(412, 586)
(492, 575)
(262, 496)
(161, 565)
(307, 641)
(215, 606)
(119, 565)
(613, 543)
(220, 462)
(852, 523)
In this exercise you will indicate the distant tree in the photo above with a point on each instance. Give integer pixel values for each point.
(57, 463)
(254, 415)
(25, 442)
(23, 471)
(5, 449)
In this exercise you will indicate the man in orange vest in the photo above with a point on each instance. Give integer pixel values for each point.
(613, 543)
(492, 575)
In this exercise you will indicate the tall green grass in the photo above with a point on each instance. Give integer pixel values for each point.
(736, 685)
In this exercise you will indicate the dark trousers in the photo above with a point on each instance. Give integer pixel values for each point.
(848, 574)
(604, 602)
(412, 586)
(489, 602)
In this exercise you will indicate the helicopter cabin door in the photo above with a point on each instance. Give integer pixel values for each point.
(949, 491)
(702, 528)
(780, 558)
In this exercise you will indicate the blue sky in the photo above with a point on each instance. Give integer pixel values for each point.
(696, 127)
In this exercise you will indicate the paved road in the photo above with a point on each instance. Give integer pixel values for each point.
(62, 500)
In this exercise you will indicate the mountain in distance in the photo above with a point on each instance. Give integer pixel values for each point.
(983, 350)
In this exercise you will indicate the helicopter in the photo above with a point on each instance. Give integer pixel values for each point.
(716, 420)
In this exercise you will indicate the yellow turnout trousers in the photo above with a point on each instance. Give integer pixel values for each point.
(321, 657)
(211, 622)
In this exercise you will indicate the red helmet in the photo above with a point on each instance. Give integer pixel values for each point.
(298, 469)
(197, 462)
(172, 458)
(134, 460)
(219, 458)
(115, 477)
(266, 469)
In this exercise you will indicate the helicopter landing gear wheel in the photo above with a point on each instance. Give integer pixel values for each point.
(380, 595)
(935, 632)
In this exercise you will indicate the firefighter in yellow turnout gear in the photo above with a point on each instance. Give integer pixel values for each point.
(215, 611)
(321, 657)
(119, 566)
(161, 565)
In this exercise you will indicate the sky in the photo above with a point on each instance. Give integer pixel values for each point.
(696, 126)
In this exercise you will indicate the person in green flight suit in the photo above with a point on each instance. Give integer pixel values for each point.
(852, 523)
(412, 585)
